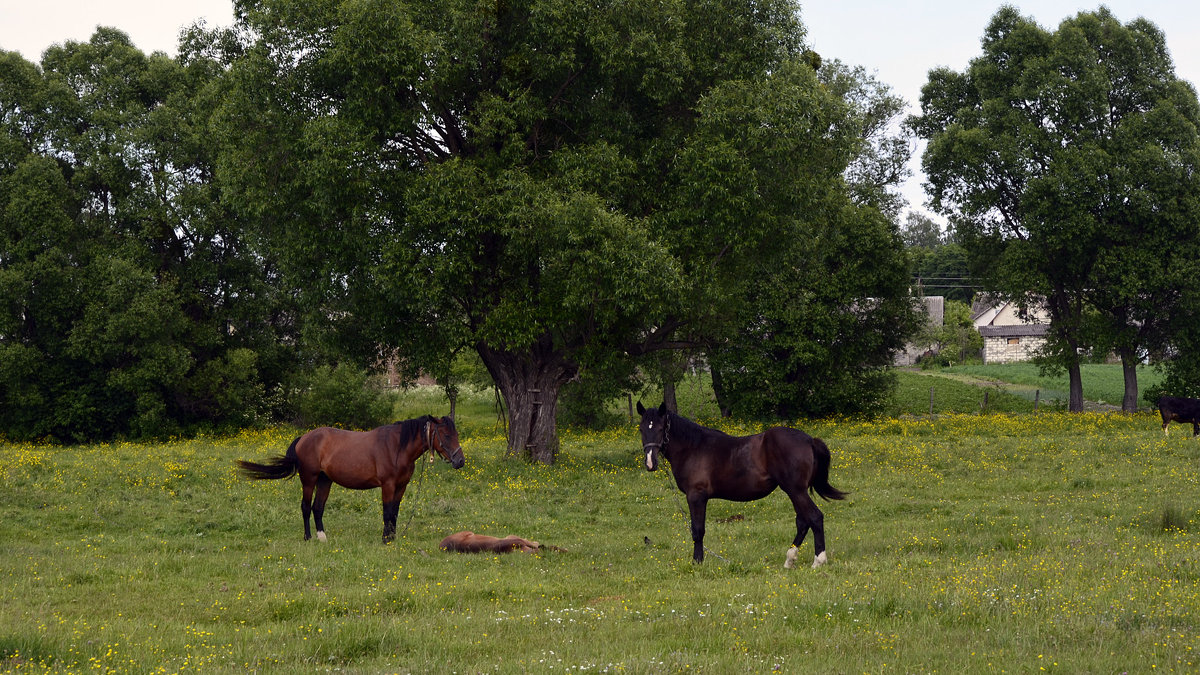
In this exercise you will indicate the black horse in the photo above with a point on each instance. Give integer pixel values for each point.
(711, 464)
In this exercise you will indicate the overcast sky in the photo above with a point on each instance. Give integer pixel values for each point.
(898, 41)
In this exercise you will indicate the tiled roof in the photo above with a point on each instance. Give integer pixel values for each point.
(1025, 330)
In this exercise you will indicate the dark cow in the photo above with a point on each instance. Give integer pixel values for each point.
(1180, 409)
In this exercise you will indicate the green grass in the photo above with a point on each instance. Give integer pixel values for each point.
(913, 394)
(475, 409)
(969, 543)
(1009, 388)
(1102, 382)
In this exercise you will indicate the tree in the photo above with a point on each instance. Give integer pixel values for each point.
(921, 231)
(806, 321)
(1179, 362)
(555, 185)
(1055, 154)
(957, 337)
(880, 160)
(817, 334)
(132, 305)
(944, 270)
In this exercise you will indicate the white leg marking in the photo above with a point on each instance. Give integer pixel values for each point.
(791, 558)
(820, 560)
(320, 535)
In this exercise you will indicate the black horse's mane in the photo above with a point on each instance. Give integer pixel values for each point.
(690, 433)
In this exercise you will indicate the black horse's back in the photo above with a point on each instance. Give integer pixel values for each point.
(820, 480)
(273, 469)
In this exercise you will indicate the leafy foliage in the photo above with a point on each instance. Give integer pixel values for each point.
(1068, 162)
(132, 305)
(341, 396)
(818, 334)
(555, 185)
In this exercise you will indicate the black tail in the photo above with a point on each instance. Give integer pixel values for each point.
(820, 480)
(279, 467)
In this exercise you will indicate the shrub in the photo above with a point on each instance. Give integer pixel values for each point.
(342, 396)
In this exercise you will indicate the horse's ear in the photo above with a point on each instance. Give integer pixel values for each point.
(641, 409)
(662, 409)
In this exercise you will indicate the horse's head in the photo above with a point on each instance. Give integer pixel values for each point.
(654, 427)
(443, 438)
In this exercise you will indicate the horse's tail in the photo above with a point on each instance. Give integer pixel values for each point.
(279, 467)
(820, 480)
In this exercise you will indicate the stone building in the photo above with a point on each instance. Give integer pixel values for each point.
(1007, 338)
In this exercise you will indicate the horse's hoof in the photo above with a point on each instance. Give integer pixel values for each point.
(790, 562)
(821, 559)
(321, 536)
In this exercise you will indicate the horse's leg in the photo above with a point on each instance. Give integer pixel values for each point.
(306, 505)
(698, 506)
(391, 508)
(808, 516)
(323, 485)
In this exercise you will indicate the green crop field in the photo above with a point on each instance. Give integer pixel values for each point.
(1001, 543)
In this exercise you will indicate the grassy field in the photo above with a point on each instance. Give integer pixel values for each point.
(1008, 388)
(1102, 382)
(1001, 543)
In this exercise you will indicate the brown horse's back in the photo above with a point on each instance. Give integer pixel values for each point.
(351, 459)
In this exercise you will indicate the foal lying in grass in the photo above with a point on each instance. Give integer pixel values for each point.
(469, 542)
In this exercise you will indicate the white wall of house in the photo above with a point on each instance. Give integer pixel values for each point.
(1011, 348)
(1005, 314)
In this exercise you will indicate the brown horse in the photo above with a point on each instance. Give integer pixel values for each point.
(709, 464)
(469, 542)
(360, 460)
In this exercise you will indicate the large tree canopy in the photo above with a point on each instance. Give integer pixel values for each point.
(550, 183)
(1068, 161)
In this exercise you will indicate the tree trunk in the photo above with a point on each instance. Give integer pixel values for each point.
(1076, 394)
(1129, 367)
(669, 396)
(719, 392)
(1065, 319)
(530, 381)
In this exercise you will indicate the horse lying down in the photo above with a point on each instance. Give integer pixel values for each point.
(469, 542)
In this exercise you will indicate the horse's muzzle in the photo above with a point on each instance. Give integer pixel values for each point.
(651, 450)
(456, 458)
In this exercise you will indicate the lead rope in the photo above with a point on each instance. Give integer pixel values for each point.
(421, 477)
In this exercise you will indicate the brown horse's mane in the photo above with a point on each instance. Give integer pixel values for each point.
(412, 429)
